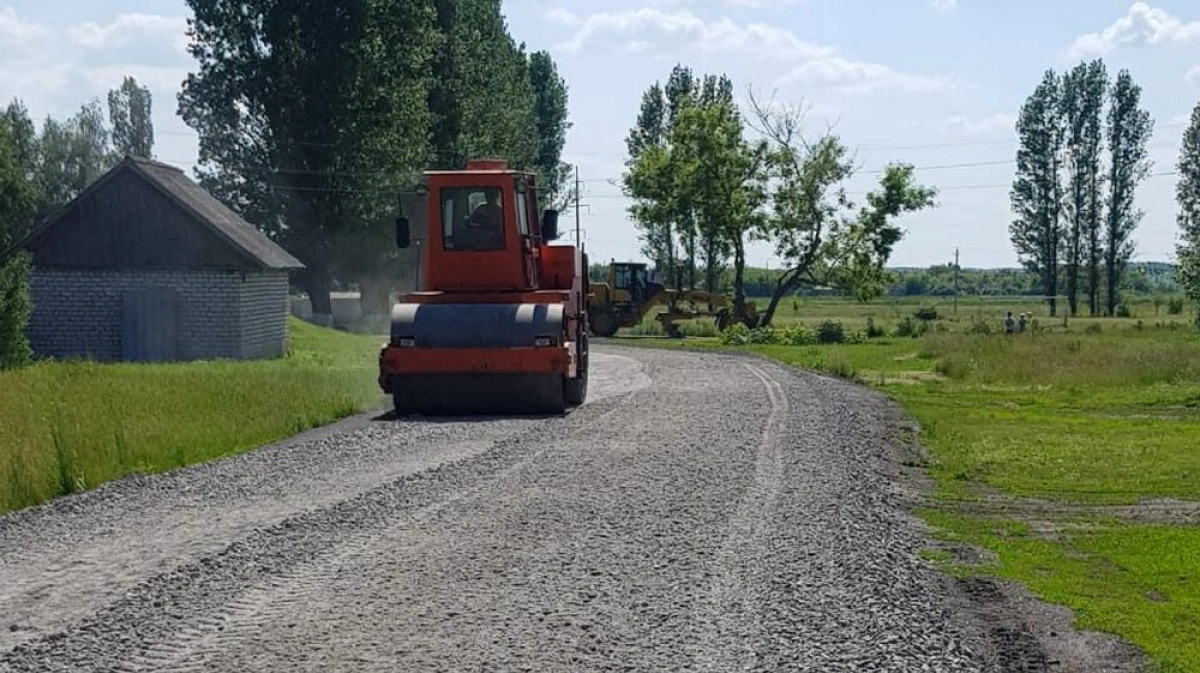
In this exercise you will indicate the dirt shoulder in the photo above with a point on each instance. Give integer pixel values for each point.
(1010, 628)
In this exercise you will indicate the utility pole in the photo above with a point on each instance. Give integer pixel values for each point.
(578, 241)
(955, 281)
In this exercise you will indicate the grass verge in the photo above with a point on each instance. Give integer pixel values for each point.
(71, 426)
(1069, 453)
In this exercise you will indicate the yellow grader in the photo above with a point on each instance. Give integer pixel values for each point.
(628, 295)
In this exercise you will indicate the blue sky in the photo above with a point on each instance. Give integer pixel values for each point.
(933, 82)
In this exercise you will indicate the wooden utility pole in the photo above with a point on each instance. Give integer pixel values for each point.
(956, 281)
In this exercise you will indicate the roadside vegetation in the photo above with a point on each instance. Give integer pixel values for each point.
(1068, 452)
(72, 426)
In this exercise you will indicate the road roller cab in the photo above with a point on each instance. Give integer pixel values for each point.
(498, 322)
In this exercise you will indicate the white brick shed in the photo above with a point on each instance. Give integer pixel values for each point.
(145, 265)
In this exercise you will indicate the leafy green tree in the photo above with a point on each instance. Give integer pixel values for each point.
(311, 117)
(1036, 194)
(1083, 95)
(482, 90)
(718, 173)
(823, 238)
(1187, 194)
(18, 201)
(73, 154)
(647, 183)
(550, 107)
(1129, 130)
(129, 111)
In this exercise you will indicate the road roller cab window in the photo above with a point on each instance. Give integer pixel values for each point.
(472, 218)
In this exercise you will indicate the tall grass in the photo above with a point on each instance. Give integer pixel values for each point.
(70, 426)
(1126, 357)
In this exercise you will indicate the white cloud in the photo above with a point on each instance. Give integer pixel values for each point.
(130, 28)
(802, 62)
(944, 5)
(1001, 121)
(15, 32)
(860, 77)
(682, 29)
(1192, 76)
(1142, 25)
(19, 40)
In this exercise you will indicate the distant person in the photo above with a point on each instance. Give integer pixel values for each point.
(1010, 325)
(1021, 324)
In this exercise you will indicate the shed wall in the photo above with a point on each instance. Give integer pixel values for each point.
(263, 313)
(79, 313)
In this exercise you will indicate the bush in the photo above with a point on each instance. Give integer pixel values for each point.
(1175, 306)
(979, 326)
(1123, 311)
(736, 334)
(926, 313)
(798, 335)
(831, 332)
(14, 313)
(873, 331)
(763, 335)
(909, 328)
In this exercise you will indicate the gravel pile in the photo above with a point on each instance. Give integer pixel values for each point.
(702, 513)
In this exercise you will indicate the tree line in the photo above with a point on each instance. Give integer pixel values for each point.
(43, 169)
(313, 116)
(1146, 280)
(702, 190)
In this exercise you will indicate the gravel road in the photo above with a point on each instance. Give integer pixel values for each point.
(700, 513)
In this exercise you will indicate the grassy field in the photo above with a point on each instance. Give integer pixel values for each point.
(1071, 453)
(70, 426)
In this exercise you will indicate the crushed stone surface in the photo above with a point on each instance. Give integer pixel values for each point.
(701, 512)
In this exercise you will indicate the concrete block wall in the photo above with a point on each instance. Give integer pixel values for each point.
(263, 310)
(78, 313)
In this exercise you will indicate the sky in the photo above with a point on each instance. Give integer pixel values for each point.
(936, 83)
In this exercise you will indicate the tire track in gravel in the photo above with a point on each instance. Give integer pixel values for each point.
(161, 619)
(276, 600)
(732, 615)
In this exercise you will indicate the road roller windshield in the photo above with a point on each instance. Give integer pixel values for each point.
(472, 218)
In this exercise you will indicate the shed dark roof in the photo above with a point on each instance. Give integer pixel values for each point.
(193, 199)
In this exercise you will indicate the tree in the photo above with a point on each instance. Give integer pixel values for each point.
(717, 174)
(18, 201)
(823, 238)
(1035, 196)
(1187, 193)
(1129, 130)
(646, 181)
(1082, 104)
(681, 91)
(481, 92)
(550, 107)
(310, 119)
(132, 126)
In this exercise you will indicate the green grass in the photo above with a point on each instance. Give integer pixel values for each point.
(1086, 411)
(1139, 581)
(70, 426)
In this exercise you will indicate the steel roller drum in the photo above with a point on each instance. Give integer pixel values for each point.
(477, 326)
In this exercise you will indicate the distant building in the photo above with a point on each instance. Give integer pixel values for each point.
(145, 265)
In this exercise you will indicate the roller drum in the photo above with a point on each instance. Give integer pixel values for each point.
(499, 326)
(476, 325)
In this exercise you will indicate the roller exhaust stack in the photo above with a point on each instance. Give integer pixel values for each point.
(498, 323)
